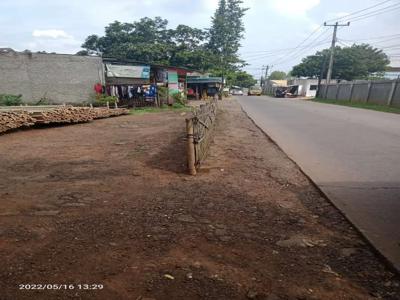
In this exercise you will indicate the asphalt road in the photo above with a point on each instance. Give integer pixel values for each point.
(352, 154)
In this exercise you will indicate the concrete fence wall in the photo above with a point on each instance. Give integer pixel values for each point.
(57, 78)
(383, 92)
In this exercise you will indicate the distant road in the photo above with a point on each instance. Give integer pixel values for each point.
(352, 154)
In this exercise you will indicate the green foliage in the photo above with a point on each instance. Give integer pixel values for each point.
(277, 75)
(240, 78)
(178, 105)
(179, 98)
(226, 32)
(355, 62)
(82, 53)
(10, 100)
(150, 41)
(102, 99)
(163, 108)
(162, 92)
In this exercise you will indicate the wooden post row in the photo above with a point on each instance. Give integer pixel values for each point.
(190, 147)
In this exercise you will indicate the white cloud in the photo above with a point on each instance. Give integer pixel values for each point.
(51, 33)
(294, 8)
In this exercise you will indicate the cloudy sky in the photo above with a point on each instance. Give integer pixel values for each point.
(272, 26)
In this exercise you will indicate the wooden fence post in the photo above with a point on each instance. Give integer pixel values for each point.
(369, 91)
(351, 91)
(190, 147)
(391, 94)
(337, 90)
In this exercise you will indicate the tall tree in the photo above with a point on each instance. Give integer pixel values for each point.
(240, 78)
(226, 32)
(277, 75)
(149, 40)
(355, 62)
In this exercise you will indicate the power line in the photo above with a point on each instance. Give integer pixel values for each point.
(297, 53)
(322, 42)
(394, 36)
(358, 11)
(307, 38)
(387, 9)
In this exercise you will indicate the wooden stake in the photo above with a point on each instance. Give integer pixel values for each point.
(190, 147)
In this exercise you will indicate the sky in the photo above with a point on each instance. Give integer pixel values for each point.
(273, 27)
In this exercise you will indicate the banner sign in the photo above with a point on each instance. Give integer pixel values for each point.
(128, 71)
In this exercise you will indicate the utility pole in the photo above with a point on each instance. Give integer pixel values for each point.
(335, 26)
(267, 68)
(261, 78)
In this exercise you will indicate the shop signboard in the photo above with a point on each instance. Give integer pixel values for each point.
(126, 71)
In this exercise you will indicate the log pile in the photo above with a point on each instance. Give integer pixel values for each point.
(66, 114)
(101, 112)
(12, 119)
(15, 119)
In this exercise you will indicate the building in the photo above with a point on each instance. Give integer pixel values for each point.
(64, 78)
(303, 87)
(271, 86)
(49, 78)
(203, 87)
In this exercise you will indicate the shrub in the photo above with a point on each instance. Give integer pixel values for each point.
(178, 105)
(163, 92)
(10, 100)
(102, 99)
(179, 98)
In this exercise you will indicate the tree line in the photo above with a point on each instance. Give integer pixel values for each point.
(215, 50)
(149, 40)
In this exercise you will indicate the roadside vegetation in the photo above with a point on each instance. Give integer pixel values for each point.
(371, 106)
(214, 50)
(174, 107)
(10, 100)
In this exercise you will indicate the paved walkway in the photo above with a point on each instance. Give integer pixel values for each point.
(352, 154)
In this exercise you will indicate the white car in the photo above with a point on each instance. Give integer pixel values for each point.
(236, 92)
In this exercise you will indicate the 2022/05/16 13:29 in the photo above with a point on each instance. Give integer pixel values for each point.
(55, 286)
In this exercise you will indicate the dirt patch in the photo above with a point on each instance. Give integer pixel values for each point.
(110, 203)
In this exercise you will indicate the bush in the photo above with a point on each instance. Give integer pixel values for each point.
(102, 99)
(178, 105)
(10, 100)
(163, 92)
(179, 98)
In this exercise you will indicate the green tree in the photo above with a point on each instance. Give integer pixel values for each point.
(149, 40)
(277, 75)
(355, 62)
(226, 32)
(240, 78)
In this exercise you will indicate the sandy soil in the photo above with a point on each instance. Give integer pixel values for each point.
(109, 203)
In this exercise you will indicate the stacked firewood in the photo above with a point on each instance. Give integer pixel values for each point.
(11, 119)
(101, 112)
(65, 114)
(15, 119)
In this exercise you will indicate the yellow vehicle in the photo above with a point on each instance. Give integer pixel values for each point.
(255, 90)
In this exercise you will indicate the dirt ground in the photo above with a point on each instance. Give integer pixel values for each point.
(109, 203)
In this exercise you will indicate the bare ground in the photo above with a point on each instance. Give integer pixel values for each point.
(109, 203)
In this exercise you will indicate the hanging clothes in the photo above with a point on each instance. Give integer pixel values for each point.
(98, 88)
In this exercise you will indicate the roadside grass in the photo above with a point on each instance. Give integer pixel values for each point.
(144, 110)
(377, 107)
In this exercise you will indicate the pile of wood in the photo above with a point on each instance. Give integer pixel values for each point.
(24, 116)
(15, 119)
(65, 114)
(102, 112)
